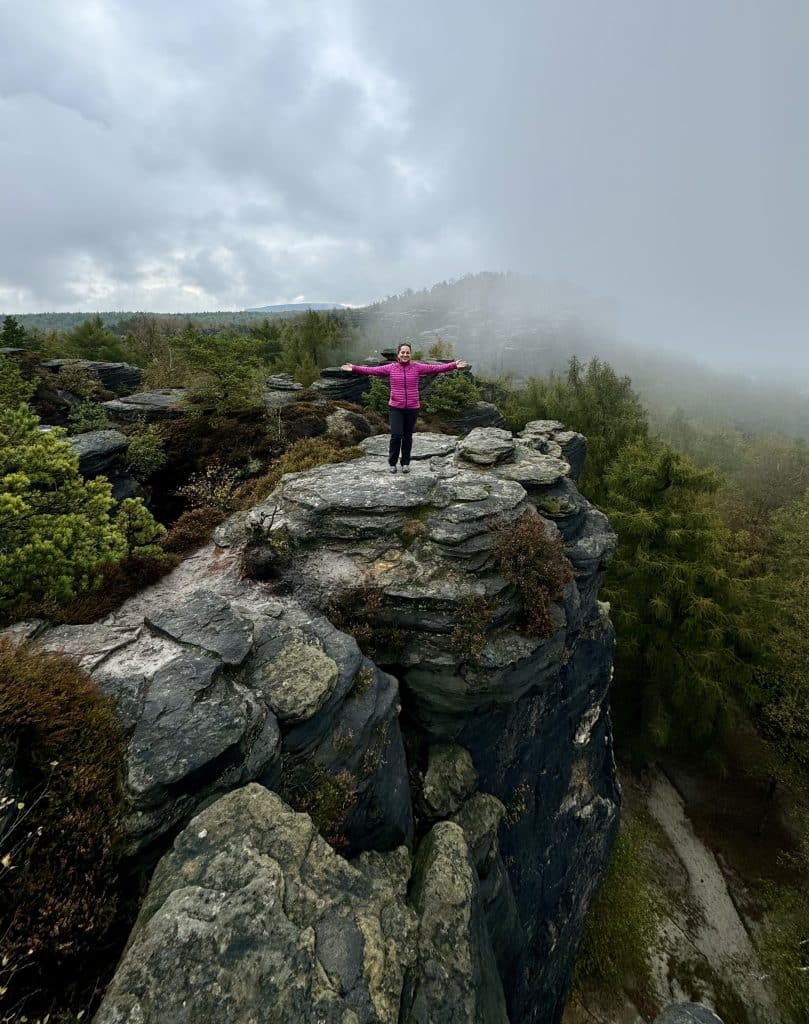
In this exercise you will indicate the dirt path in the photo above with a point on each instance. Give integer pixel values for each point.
(715, 930)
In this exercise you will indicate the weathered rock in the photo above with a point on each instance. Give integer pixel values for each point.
(201, 678)
(150, 406)
(450, 778)
(251, 916)
(341, 385)
(99, 451)
(426, 546)
(549, 435)
(687, 1013)
(482, 414)
(349, 427)
(455, 979)
(113, 376)
(486, 446)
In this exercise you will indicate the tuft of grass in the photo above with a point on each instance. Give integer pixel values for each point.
(192, 529)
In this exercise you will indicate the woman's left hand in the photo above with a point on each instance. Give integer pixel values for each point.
(461, 364)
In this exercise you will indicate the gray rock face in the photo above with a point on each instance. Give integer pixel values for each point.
(454, 945)
(482, 414)
(216, 686)
(532, 713)
(349, 427)
(99, 451)
(450, 778)
(251, 916)
(549, 435)
(687, 1013)
(113, 376)
(150, 406)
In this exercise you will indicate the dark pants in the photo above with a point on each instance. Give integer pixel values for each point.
(402, 422)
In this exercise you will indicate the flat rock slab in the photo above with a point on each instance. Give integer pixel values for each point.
(163, 404)
(208, 622)
(113, 376)
(425, 446)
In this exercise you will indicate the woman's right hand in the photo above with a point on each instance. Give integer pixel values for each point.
(347, 366)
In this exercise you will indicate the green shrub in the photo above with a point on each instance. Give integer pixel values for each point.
(62, 750)
(377, 396)
(451, 396)
(74, 378)
(534, 561)
(57, 530)
(15, 389)
(621, 924)
(146, 453)
(86, 416)
(117, 582)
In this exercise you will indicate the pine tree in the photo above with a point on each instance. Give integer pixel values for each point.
(683, 619)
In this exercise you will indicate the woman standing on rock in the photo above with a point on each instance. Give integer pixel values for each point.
(403, 406)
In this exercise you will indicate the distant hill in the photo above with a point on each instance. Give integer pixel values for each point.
(295, 307)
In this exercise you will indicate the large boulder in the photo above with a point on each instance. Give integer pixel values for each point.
(252, 916)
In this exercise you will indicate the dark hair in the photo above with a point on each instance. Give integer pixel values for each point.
(401, 345)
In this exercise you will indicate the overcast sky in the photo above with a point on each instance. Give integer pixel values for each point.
(179, 156)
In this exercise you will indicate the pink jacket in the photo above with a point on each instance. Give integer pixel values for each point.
(404, 379)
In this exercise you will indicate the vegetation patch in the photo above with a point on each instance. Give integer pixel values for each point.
(534, 561)
(468, 637)
(61, 755)
(359, 612)
(621, 924)
(327, 798)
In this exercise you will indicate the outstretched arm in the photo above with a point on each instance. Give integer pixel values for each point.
(456, 364)
(369, 371)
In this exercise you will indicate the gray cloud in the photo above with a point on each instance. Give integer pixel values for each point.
(180, 157)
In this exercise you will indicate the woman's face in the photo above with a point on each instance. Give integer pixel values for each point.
(403, 355)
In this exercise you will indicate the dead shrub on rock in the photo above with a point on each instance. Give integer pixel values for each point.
(533, 560)
(61, 756)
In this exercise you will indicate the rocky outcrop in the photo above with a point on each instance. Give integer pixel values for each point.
(148, 406)
(219, 684)
(251, 916)
(119, 377)
(104, 452)
(532, 713)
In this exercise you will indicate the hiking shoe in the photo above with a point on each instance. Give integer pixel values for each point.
(391, 469)
(405, 469)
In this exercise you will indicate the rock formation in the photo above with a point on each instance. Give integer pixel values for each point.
(223, 680)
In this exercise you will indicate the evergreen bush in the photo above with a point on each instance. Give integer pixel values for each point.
(451, 396)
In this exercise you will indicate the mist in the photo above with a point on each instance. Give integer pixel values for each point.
(645, 164)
